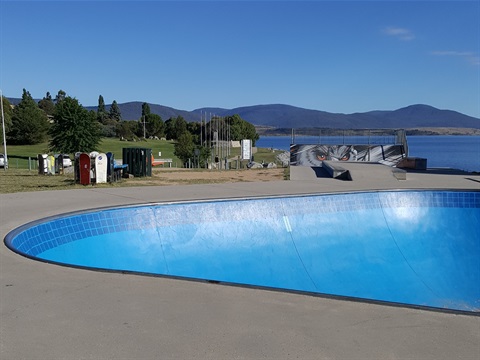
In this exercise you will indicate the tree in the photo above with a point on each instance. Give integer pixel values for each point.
(29, 122)
(194, 128)
(115, 112)
(126, 129)
(184, 147)
(174, 127)
(47, 104)
(108, 129)
(7, 113)
(151, 123)
(74, 129)
(154, 125)
(102, 115)
(241, 129)
(60, 96)
(145, 109)
(169, 128)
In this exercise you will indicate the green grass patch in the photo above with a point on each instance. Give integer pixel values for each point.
(18, 154)
(266, 155)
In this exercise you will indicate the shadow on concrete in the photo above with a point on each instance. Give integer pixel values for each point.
(320, 172)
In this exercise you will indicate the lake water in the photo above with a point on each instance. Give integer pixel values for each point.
(458, 152)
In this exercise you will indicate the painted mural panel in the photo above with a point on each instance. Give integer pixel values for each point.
(313, 155)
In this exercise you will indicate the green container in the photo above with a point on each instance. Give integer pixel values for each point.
(139, 161)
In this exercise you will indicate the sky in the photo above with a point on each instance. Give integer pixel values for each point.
(335, 56)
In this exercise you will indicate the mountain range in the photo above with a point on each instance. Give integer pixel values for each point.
(287, 116)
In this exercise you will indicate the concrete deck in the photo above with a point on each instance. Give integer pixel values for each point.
(55, 312)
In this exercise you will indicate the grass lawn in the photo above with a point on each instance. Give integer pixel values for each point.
(18, 154)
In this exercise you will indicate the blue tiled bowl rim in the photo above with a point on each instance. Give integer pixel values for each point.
(52, 237)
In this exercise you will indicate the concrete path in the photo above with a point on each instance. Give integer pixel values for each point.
(54, 312)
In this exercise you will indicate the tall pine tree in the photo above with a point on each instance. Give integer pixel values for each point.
(29, 122)
(102, 115)
(115, 112)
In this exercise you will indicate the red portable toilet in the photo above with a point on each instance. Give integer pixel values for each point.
(84, 169)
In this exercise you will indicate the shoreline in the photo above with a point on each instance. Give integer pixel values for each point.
(426, 131)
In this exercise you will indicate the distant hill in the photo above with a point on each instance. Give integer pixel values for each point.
(287, 116)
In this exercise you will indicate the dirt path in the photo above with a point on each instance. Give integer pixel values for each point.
(166, 176)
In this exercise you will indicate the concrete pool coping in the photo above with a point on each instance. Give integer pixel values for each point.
(55, 312)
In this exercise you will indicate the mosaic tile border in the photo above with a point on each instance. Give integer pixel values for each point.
(33, 239)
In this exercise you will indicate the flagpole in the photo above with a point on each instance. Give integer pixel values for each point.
(5, 165)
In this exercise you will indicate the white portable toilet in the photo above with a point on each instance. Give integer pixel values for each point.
(101, 162)
(42, 164)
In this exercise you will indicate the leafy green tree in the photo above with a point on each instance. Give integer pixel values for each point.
(154, 125)
(47, 104)
(241, 129)
(204, 155)
(169, 128)
(184, 148)
(29, 122)
(115, 112)
(7, 113)
(174, 127)
(126, 129)
(108, 128)
(194, 129)
(74, 129)
(180, 126)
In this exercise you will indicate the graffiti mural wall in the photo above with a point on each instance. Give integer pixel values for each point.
(313, 155)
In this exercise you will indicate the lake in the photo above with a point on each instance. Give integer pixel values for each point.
(444, 151)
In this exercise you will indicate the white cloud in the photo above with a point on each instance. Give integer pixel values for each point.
(399, 33)
(469, 56)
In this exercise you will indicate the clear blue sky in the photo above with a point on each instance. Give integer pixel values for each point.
(336, 56)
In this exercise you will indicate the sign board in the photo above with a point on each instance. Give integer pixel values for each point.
(246, 149)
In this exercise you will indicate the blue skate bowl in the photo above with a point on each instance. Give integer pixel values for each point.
(408, 248)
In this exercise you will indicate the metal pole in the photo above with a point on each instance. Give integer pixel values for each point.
(217, 152)
(5, 165)
(144, 134)
(211, 144)
(222, 149)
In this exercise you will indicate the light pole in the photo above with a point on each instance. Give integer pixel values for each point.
(5, 165)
